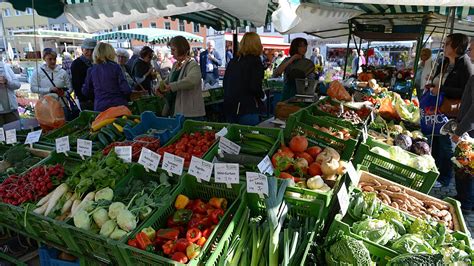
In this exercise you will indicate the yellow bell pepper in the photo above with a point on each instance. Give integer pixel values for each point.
(181, 202)
(102, 123)
(118, 127)
(136, 120)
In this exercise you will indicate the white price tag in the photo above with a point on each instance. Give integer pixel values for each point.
(62, 145)
(84, 147)
(200, 169)
(353, 174)
(265, 166)
(2, 135)
(33, 137)
(227, 173)
(221, 133)
(124, 153)
(10, 136)
(257, 183)
(228, 146)
(343, 199)
(172, 163)
(149, 159)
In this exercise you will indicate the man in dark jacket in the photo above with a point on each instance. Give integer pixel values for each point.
(210, 61)
(79, 72)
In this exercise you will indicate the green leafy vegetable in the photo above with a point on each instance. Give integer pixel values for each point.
(378, 231)
(348, 251)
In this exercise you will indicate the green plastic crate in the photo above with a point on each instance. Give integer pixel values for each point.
(193, 189)
(315, 111)
(304, 125)
(102, 248)
(393, 170)
(149, 103)
(80, 124)
(296, 206)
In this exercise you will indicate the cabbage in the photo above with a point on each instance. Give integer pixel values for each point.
(421, 148)
(100, 217)
(104, 194)
(380, 151)
(126, 220)
(82, 220)
(398, 154)
(412, 243)
(117, 234)
(378, 231)
(403, 141)
(107, 228)
(115, 208)
(430, 160)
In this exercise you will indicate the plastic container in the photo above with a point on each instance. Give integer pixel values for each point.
(49, 257)
(80, 124)
(315, 111)
(194, 190)
(167, 127)
(393, 170)
(153, 104)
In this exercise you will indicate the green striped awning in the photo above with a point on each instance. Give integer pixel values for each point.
(148, 35)
(461, 12)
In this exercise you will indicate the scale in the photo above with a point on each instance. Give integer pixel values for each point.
(305, 91)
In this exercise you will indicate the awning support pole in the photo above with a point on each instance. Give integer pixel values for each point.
(235, 41)
(419, 46)
(347, 49)
(453, 18)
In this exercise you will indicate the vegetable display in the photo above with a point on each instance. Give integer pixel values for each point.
(347, 250)
(356, 116)
(16, 160)
(464, 156)
(138, 144)
(186, 230)
(424, 163)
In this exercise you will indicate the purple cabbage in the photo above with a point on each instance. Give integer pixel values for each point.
(421, 148)
(403, 141)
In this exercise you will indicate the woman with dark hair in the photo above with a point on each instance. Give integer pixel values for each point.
(295, 67)
(142, 69)
(185, 81)
(449, 81)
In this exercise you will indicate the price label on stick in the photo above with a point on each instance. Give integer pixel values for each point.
(353, 174)
(173, 164)
(149, 159)
(2, 135)
(84, 147)
(10, 136)
(265, 166)
(200, 169)
(257, 183)
(221, 133)
(227, 173)
(62, 145)
(228, 146)
(343, 199)
(124, 153)
(33, 137)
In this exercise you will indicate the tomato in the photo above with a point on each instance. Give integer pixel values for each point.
(285, 150)
(314, 151)
(182, 244)
(315, 169)
(281, 161)
(298, 143)
(305, 156)
(284, 175)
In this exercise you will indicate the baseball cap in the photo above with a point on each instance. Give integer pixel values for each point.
(88, 43)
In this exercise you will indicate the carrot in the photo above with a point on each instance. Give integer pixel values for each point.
(58, 192)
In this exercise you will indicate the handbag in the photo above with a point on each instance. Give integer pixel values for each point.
(450, 107)
(430, 115)
(71, 110)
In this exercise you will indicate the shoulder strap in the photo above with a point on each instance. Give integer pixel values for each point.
(50, 79)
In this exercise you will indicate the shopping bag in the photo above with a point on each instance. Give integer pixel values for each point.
(49, 113)
(71, 110)
(430, 115)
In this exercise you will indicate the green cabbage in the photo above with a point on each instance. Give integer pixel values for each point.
(412, 243)
(380, 151)
(398, 154)
(378, 231)
(348, 251)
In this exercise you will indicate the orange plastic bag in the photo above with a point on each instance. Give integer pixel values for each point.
(338, 92)
(112, 112)
(49, 113)
(387, 110)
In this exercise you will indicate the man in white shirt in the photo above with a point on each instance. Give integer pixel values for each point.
(8, 103)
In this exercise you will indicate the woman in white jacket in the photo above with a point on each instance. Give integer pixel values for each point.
(8, 103)
(50, 79)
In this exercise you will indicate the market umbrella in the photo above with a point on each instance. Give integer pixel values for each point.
(148, 35)
(10, 51)
(439, 3)
(30, 47)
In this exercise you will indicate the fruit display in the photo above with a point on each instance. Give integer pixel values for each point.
(190, 144)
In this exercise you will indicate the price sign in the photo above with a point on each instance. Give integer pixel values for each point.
(62, 145)
(257, 183)
(2, 135)
(10, 136)
(343, 199)
(228, 146)
(172, 163)
(149, 159)
(227, 173)
(200, 169)
(221, 132)
(84, 147)
(265, 166)
(353, 174)
(124, 153)
(33, 137)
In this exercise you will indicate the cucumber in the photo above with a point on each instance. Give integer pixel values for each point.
(252, 150)
(115, 130)
(240, 159)
(109, 133)
(260, 137)
(122, 122)
(93, 136)
(257, 145)
(102, 139)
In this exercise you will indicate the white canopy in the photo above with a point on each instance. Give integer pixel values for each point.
(411, 2)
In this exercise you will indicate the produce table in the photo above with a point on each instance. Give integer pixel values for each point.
(164, 191)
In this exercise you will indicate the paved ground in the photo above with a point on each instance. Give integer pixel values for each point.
(450, 191)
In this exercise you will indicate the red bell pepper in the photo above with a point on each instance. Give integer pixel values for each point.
(216, 215)
(180, 257)
(208, 231)
(169, 247)
(182, 244)
(219, 203)
(143, 241)
(201, 241)
(193, 235)
(170, 234)
(133, 243)
(198, 206)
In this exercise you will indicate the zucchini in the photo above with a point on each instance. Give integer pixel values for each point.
(102, 139)
(257, 145)
(260, 137)
(114, 129)
(252, 150)
(109, 133)
(240, 158)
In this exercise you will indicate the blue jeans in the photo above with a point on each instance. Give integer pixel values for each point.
(210, 79)
(465, 189)
(442, 151)
(247, 119)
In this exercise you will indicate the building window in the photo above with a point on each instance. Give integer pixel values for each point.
(17, 12)
(181, 25)
(139, 25)
(7, 12)
(29, 11)
(242, 29)
(56, 27)
(153, 25)
(167, 25)
(196, 27)
(10, 31)
(67, 27)
(268, 27)
(252, 29)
